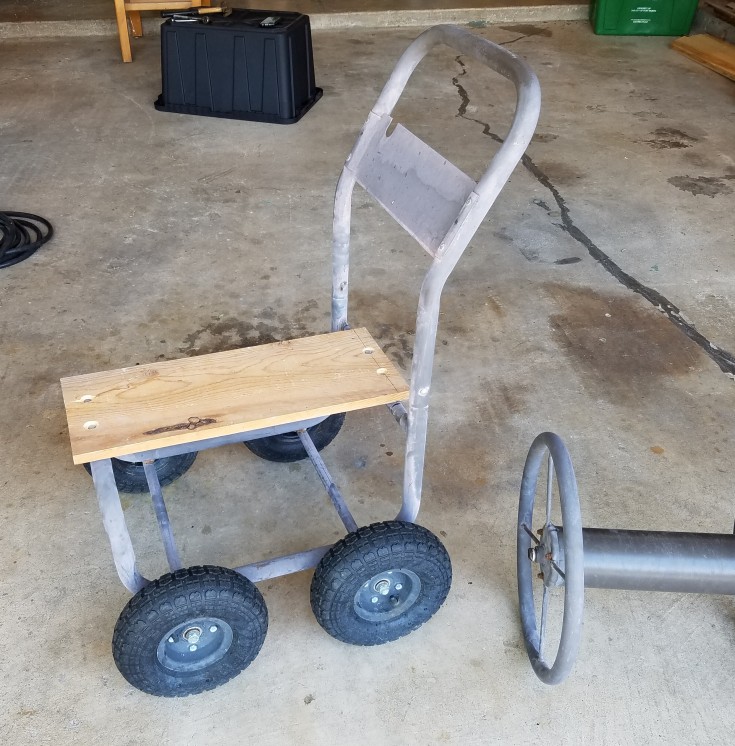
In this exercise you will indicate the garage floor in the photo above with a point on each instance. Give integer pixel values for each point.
(596, 301)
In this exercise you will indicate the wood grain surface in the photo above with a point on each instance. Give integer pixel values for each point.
(118, 412)
(714, 53)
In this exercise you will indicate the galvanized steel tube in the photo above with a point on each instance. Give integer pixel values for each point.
(659, 561)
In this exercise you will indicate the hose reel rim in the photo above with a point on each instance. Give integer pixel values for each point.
(556, 672)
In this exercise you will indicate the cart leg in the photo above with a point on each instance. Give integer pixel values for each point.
(113, 519)
(164, 525)
(427, 321)
(321, 469)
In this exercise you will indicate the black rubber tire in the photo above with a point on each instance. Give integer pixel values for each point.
(287, 447)
(130, 475)
(370, 551)
(174, 599)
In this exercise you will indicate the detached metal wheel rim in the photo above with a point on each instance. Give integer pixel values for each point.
(573, 559)
(194, 644)
(387, 595)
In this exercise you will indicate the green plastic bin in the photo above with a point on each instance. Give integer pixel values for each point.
(642, 17)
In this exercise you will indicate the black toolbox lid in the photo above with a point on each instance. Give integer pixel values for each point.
(272, 21)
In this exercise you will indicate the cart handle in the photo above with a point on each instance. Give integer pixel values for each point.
(500, 59)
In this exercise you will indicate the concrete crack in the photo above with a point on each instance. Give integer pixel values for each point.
(512, 41)
(464, 98)
(724, 360)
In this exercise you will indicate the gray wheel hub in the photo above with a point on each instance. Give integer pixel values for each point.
(387, 595)
(194, 644)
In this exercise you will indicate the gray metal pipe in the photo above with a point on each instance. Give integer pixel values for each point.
(659, 561)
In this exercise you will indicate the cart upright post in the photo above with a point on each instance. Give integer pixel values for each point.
(441, 208)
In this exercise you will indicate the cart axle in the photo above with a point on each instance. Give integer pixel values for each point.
(675, 562)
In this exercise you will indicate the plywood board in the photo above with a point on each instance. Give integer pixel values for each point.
(716, 54)
(119, 412)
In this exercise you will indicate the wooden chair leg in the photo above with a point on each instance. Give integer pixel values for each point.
(136, 23)
(122, 30)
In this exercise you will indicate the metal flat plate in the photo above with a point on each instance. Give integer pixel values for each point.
(417, 186)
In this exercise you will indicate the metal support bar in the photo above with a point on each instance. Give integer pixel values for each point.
(164, 525)
(321, 469)
(285, 565)
(113, 519)
(399, 412)
(659, 561)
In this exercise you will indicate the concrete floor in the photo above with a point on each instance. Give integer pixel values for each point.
(180, 235)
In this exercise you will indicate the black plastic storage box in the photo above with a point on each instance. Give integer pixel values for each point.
(253, 64)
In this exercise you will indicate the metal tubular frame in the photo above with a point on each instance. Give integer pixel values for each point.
(164, 525)
(113, 520)
(450, 249)
(472, 210)
(321, 469)
(672, 561)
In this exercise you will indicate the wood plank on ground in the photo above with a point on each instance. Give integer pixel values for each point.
(716, 54)
(124, 411)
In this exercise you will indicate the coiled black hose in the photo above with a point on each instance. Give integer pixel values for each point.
(21, 234)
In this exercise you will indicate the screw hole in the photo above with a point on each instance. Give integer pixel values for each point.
(86, 398)
(368, 350)
(91, 425)
(381, 371)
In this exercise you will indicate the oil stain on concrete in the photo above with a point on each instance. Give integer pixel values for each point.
(503, 401)
(230, 333)
(668, 138)
(562, 174)
(616, 343)
(391, 322)
(708, 186)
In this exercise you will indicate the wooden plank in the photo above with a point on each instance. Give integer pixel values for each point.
(714, 53)
(118, 412)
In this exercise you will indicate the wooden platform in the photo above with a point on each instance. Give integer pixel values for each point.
(119, 412)
(714, 53)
